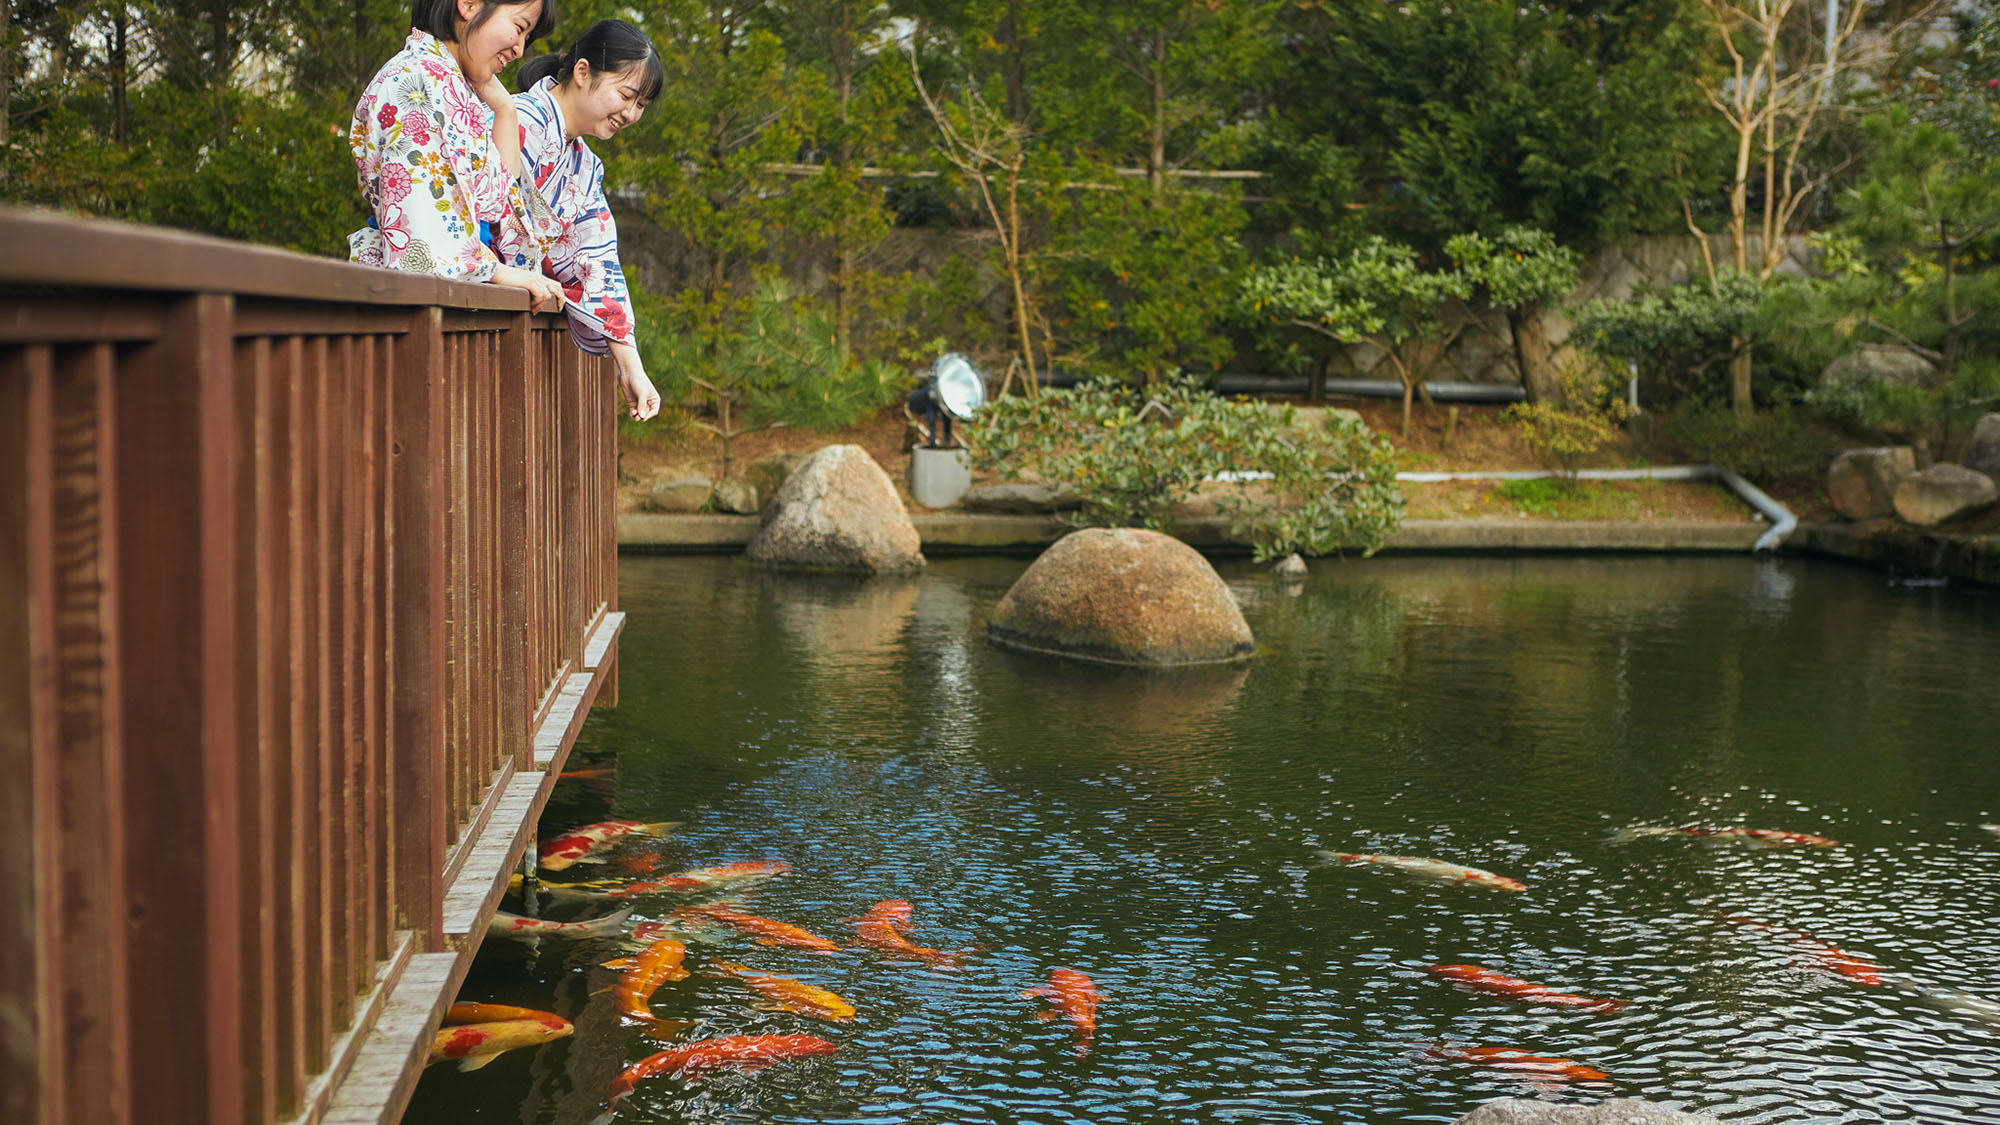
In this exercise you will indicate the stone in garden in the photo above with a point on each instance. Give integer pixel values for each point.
(1983, 455)
(739, 496)
(839, 510)
(1291, 566)
(1942, 493)
(1123, 596)
(1618, 1111)
(1020, 499)
(687, 494)
(769, 474)
(1862, 482)
(1879, 364)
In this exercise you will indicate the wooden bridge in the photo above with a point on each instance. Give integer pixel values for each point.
(307, 580)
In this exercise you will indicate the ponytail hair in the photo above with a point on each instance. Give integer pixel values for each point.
(610, 47)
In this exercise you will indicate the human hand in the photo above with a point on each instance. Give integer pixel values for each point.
(544, 292)
(640, 398)
(494, 93)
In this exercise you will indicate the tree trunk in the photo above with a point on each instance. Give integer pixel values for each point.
(6, 82)
(1739, 379)
(120, 75)
(1156, 152)
(1013, 247)
(1015, 65)
(1539, 377)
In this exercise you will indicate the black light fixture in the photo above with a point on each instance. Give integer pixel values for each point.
(955, 389)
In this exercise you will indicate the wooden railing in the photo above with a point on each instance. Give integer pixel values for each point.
(307, 577)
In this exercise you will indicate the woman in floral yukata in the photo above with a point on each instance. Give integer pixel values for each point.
(599, 86)
(436, 144)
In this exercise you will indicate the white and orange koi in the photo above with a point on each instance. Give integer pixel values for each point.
(1073, 996)
(514, 925)
(1820, 954)
(1435, 870)
(881, 929)
(586, 844)
(1756, 837)
(785, 994)
(643, 974)
(1518, 1063)
(474, 1045)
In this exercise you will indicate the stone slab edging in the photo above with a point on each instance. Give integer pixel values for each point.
(945, 533)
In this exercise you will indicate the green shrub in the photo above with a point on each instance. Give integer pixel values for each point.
(1539, 496)
(1783, 443)
(1585, 421)
(1132, 455)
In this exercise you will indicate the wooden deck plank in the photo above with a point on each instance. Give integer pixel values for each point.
(369, 1008)
(495, 852)
(609, 625)
(385, 1069)
(565, 719)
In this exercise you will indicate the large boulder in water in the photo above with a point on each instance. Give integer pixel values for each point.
(1942, 493)
(1862, 482)
(1123, 596)
(1618, 1111)
(838, 510)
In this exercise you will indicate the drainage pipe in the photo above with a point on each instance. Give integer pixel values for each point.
(1782, 520)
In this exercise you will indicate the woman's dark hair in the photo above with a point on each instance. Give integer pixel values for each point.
(610, 47)
(440, 17)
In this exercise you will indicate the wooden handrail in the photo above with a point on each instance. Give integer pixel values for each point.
(307, 575)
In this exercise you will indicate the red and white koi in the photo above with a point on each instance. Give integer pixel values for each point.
(1435, 870)
(1479, 979)
(643, 974)
(689, 1061)
(1518, 1063)
(586, 844)
(474, 1045)
(731, 875)
(514, 925)
(785, 994)
(767, 931)
(881, 929)
(1820, 954)
(1756, 837)
(1073, 996)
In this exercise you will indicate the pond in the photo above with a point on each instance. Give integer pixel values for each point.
(1163, 833)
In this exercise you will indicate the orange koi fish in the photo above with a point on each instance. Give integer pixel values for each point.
(1758, 837)
(1073, 996)
(1822, 955)
(1512, 1060)
(1485, 980)
(496, 1013)
(881, 929)
(514, 925)
(586, 775)
(1435, 870)
(583, 845)
(788, 995)
(690, 1061)
(476, 1044)
(658, 963)
(767, 931)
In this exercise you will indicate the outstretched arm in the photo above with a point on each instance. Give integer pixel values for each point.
(640, 398)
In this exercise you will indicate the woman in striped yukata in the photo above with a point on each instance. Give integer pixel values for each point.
(599, 86)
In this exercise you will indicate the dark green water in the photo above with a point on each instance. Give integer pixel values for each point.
(1158, 831)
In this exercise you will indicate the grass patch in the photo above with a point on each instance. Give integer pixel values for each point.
(1548, 498)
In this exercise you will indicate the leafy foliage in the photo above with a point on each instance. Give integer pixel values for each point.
(1784, 444)
(1134, 454)
(1587, 419)
(1680, 340)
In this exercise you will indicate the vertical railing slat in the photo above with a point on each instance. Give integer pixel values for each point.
(177, 623)
(417, 646)
(257, 597)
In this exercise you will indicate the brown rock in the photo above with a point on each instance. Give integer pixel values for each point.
(838, 510)
(1862, 482)
(1983, 455)
(1123, 596)
(769, 474)
(1942, 493)
(677, 496)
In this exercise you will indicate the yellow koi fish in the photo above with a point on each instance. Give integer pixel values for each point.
(476, 1044)
(788, 995)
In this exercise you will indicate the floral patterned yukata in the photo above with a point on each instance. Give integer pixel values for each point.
(423, 149)
(580, 249)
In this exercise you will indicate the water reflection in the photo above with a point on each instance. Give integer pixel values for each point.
(1158, 831)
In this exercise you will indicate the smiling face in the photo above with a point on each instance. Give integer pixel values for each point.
(604, 102)
(483, 50)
